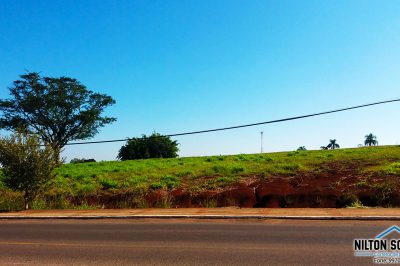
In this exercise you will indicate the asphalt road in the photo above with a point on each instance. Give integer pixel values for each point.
(183, 242)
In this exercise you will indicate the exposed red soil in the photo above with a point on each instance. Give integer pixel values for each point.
(335, 186)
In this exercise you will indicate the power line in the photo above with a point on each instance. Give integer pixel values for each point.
(246, 125)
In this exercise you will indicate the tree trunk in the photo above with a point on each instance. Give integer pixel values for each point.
(57, 154)
(28, 198)
(26, 203)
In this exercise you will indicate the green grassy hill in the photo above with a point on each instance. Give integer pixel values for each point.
(325, 178)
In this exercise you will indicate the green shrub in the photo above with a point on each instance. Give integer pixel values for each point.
(383, 191)
(346, 199)
(242, 157)
(225, 180)
(85, 206)
(107, 183)
(237, 169)
(83, 160)
(169, 181)
(165, 202)
(393, 169)
(156, 185)
(291, 167)
(2, 185)
(185, 173)
(39, 204)
(80, 177)
(84, 188)
(136, 180)
(27, 167)
(219, 169)
(268, 159)
(154, 146)
(356, 204)
(55, 201)
(287, 168)
(10, 200)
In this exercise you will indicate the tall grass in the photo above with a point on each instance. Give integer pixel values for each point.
(76, 182)
(87, 178)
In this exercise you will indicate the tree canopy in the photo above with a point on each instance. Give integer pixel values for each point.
(154, 146)
(59, 110)
(332, 144)
(370, 140)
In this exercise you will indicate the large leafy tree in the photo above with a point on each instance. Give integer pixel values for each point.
(154, 146)
(370, 140)
(58, 110)
(26, 166)
(333, 144)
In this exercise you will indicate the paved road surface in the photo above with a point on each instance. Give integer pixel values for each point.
(183, 242)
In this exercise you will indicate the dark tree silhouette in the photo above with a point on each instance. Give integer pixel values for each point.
(370, 140)
(332, 144)
(154, 146)
(302, 148)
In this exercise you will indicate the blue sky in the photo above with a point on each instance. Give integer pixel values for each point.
(175, 66)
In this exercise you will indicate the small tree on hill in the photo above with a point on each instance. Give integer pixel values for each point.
(26, 166)
(154, 146)
(370, 140)
(83, 160)
(333, 144)
(301, 148)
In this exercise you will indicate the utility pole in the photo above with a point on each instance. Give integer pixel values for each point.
(262, 133)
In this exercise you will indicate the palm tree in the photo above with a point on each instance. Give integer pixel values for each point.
(370, 140)
(332, 144)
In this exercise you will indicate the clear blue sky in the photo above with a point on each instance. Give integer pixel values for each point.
(176, 66)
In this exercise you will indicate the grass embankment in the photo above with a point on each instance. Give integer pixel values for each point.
(355, 174)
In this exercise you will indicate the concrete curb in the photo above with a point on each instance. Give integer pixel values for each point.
(240, 217)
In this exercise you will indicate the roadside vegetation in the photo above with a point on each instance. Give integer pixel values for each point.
(199, 180)
(153, 146)
(26, 167)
